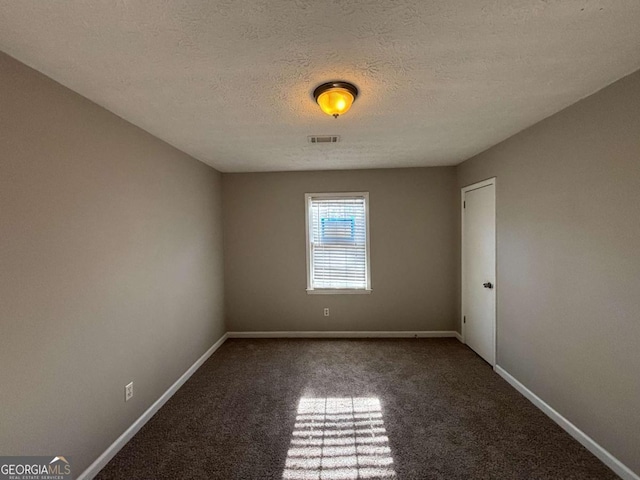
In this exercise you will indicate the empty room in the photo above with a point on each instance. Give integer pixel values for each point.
(332, 240)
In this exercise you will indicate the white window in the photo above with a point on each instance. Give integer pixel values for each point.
(338, 243)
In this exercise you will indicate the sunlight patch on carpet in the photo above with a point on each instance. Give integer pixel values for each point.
(339, 439)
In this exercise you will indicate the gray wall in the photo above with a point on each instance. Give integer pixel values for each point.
(568, 226)
(111, 268)
(413, 257)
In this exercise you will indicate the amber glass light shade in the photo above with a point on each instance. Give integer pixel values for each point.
(335, 98)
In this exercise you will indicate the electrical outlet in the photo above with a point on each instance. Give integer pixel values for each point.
(326, 312)
(128, 392)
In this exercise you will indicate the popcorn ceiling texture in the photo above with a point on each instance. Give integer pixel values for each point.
(230, 81)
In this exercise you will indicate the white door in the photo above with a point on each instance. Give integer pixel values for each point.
(479, 268)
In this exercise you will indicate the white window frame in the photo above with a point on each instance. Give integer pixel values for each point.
(337, 195)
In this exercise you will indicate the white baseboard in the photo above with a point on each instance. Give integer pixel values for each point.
(609, 460)
(121, 441)
(345, 334)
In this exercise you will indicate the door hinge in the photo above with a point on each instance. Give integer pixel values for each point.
(464, 204)
(464, 319)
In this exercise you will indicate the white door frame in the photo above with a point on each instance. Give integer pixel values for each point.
(469, 188)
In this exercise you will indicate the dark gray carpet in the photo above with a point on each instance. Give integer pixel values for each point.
(444, 415)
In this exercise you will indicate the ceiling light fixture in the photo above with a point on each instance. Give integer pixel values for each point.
(335, 98)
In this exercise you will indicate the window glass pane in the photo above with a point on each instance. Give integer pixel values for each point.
(338, 244)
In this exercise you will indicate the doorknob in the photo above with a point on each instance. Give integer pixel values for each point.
(487, 285)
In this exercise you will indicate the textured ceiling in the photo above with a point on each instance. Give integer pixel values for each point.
(230, 81)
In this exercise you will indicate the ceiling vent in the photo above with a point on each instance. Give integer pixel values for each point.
(324, 138)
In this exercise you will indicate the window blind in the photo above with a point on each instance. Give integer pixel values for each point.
(338, 242)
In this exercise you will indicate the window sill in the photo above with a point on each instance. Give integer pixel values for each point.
(339, 291)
